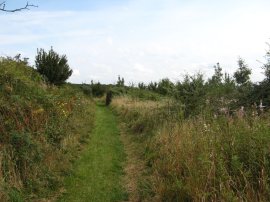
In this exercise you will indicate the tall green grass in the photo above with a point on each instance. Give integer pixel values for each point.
(201, 158)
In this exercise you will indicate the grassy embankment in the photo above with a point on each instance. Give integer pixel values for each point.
(99, 171)
(41, 132)
(201, 158)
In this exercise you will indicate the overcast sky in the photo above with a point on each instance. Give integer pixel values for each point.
(141, 40)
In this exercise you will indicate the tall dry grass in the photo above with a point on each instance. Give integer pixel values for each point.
(201, 158)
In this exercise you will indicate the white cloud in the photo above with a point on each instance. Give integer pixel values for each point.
(76, 72)
(110, 41)
(142, 44)
(141, 68)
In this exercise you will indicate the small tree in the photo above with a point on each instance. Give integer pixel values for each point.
(191, 92)
(152, 86)
(165, 87)
(142, 86)
(242, 75)
(53, 66)
(120, 82)
(217, 77)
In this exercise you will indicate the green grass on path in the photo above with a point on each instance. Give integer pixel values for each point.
(98, 173)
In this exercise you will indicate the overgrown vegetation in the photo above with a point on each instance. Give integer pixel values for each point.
(36, 132)
(199, 158)
(203, 139)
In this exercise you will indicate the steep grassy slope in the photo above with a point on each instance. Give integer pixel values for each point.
(38, 129)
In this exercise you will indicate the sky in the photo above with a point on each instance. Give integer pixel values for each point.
(140, 40)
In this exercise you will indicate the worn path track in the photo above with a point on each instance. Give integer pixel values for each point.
(98, 173)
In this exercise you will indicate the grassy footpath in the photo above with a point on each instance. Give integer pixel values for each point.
(98, 173)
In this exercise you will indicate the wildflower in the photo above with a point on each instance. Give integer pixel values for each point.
(261, 107)
(206, 127)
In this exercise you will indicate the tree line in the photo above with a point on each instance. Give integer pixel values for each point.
(221, 90)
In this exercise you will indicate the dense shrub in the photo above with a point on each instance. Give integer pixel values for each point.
(98, 89)
(53, 66)
(242, 75)
(86, 88)
(118, 91)
(143, 94)
(192, 93)
(165, 87)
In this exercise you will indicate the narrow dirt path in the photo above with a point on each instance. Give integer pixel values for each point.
(99, 172)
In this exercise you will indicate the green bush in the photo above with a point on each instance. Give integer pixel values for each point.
(165, 87)
(98, 90)
(54, 67)
(142, 94)
(86, 88)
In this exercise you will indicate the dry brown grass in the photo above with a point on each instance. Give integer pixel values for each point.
(135, 165)
(199, 159)
(130, 103)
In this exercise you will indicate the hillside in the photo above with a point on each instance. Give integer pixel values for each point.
(36, 132)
